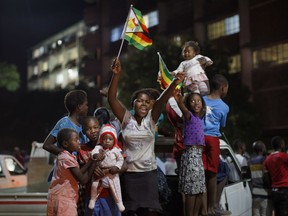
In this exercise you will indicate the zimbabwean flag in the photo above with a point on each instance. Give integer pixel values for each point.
(164, 76)
(135, 31)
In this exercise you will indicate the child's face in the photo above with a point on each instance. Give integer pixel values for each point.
(107, 141)
(92, 129)
(73, 144)
(142, 104)
(188, 53)
(196, 103)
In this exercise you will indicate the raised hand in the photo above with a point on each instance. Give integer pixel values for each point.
(177, 95)
(179, 78)
(116, 66)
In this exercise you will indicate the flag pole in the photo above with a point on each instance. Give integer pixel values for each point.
(123, 32)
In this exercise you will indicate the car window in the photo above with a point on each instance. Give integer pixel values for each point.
(234, 172)
(1, 171)
(13, 167)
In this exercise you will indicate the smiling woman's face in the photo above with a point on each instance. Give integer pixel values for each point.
(142, 104)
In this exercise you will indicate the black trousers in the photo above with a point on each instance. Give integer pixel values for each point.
(280, 201)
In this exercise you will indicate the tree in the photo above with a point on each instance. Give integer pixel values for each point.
(9, 77)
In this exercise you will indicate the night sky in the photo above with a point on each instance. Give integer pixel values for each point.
(25, 23)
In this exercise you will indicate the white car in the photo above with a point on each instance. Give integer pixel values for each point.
(13, 176)
(236, 196)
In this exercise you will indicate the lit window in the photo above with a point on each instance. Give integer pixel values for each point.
(45, 66)
(227, 26)
(35, 70)
(38, 52)
(234, 64)
(151, 19)
(72, 74)
(59, 79)
(94, 28)
(60, 58)
(268, 56)
(116, 33)
(53, 45)
(232, 25)
(59, 42)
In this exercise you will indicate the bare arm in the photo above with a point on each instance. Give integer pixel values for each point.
(267, 179)
(84, 174)
(116, 106)
(166, 94)
(49, 145)
(179, 99)
(204, 61)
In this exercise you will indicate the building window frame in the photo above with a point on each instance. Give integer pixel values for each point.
(270, 55)
(224, 27)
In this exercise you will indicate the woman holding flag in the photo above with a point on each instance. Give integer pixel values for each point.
(139, 183)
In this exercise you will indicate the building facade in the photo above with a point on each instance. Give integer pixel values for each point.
(253, 32)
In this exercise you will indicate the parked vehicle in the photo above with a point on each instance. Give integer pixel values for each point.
(30, 204)
(24, 191)
(13, 176)
(236, 196)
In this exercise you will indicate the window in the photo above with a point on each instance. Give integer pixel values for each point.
(43, 66)
(1, 171)
(13, 167)
(232, 25)
(234, 64)
(151, 19)
(224, 27)
(38, 52)
(59, 79)
(35, 70)
(72, 74)
(272, 55)
(93, 28)
(116, 33)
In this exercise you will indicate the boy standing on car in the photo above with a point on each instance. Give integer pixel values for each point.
(215, 118)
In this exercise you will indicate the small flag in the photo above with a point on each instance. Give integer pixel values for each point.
(164, 76)
(135, 30)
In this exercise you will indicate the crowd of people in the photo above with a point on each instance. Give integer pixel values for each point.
(107, 167)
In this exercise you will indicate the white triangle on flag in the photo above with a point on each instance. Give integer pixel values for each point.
(133, 24)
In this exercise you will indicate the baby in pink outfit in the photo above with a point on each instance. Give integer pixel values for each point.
(112, 162)
(193, 67)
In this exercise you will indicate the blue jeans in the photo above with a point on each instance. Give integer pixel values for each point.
(104, 207)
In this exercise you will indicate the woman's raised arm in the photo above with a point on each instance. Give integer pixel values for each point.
(116, 106)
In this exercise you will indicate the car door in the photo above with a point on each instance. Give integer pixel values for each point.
(13, 173)
(236, 196)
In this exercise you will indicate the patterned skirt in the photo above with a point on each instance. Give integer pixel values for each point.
(192, 175)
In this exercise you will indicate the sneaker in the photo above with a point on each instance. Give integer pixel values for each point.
(219, 210)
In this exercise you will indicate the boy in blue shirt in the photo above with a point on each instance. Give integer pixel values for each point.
(216, 115)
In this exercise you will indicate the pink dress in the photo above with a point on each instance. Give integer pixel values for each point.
(63, 190)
